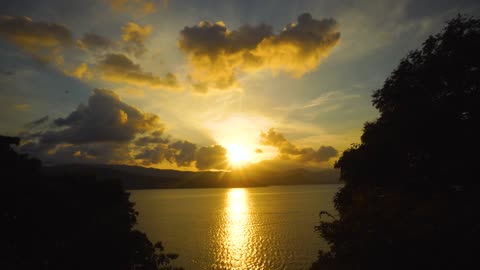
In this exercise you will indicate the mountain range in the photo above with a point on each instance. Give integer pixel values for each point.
(137, 177)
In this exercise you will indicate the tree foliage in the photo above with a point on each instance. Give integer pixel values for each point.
(68, 221)
(410, 198)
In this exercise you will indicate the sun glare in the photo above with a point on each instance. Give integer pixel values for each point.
(237, 154)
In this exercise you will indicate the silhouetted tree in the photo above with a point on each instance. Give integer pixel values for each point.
(411, 194)
(69, 221)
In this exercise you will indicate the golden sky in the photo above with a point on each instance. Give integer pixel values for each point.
(201, 85)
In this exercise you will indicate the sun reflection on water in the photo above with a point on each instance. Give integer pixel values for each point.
(237, 232)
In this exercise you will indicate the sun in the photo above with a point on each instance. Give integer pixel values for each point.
(237, 155)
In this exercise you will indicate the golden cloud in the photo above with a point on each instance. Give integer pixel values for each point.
(46, 41)
(80, 72)
(134, 37)
(134, 32)
(119, 68)
(136, 6)
(22, 107)
(43, 40)
(216, 54)
(288, 150)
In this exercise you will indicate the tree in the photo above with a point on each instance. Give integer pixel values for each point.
(68, 222)
(410, 198)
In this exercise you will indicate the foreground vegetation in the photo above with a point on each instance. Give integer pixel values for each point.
(411, 195)
(68, 221)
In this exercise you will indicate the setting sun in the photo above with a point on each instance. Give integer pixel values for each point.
(237, 154)
(240, 134)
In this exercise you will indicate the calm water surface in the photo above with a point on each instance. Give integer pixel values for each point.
(238, 228)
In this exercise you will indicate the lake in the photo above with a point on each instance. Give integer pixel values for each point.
(236, 228)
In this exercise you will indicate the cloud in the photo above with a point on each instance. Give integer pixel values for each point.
(105, 118)
(134, 37)
(102, 131)
(276, 139)
(216, 54)
(155, 137)
(94, 42)
(43, 40)
(22, 107)
(301, 46)
(183, 153)
(289, 151)
(46, 42)
(38, 122)
(322, 154)
(103, 152)
(211, 157)
(136, 6)
(80, 72)
(154, 155)
(119, 68)
(108, 130)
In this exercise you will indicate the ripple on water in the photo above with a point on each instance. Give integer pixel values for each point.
(236, 228)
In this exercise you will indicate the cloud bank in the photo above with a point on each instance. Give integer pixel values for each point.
(216, 54)
(94, 56)
(108, 130)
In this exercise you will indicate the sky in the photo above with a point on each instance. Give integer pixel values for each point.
(202, 85)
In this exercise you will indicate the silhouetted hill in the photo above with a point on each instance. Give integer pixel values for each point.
(60, 220)
(137, 177)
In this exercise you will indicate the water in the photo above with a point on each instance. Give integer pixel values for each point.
(238, 228)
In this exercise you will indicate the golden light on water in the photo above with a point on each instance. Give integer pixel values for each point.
(238, 234)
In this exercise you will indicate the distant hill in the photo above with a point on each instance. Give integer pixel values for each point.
(137, 177)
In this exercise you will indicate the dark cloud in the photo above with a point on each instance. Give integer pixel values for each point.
(155, 137)
(154, 155)
(211, 157)
(94, 42)
(42, 40)
(216, 53)
(214, 38)
(322, 154)
(105, 118)
(119, 68)
(289, 151)
(108, 130)
(183, 152)
(259, 151)
(102, 131)
(38, 122)
(105, 152)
